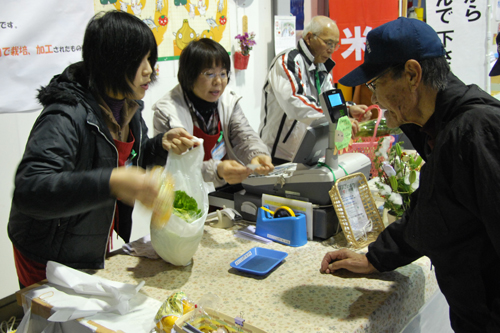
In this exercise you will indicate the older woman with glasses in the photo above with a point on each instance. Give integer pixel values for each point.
(200, 104)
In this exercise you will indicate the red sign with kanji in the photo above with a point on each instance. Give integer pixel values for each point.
(355, 18)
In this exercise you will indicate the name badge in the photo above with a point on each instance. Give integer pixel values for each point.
(219, 151)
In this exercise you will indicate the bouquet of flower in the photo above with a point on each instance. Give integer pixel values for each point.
(398, 176)
(247, 41)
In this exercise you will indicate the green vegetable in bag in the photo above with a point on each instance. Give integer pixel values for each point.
(186, 207)
(367, 128)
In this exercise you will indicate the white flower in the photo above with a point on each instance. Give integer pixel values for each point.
(396, 198)
(386, 189)
(388, 169)
(384, 147)
(407, 179)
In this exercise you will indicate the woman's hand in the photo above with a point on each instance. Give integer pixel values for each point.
(232, 172)
(131, 183)
(178, 140)
(265, 164)
(346, 259)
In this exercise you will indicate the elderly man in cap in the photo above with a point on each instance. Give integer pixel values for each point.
(454, 215)
(295, 80)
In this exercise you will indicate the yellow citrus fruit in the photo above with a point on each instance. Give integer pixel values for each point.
(187, 306)
(168, 323)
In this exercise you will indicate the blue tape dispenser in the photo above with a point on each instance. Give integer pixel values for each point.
(282, 226)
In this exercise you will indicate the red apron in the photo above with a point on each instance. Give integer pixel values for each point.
(209, 141)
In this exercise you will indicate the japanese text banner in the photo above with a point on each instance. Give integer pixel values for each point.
(38, 39)
(462, 27)
(355, 18)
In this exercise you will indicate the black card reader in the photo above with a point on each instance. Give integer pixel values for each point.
(333, 104)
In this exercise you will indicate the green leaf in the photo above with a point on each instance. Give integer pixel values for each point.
(398, 149)
(416, 163)
(413, 176)
(394, 183)
(186, 207)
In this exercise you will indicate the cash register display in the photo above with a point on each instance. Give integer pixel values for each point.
(335, 99)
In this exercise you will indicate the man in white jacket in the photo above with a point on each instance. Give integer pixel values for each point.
(295, 80)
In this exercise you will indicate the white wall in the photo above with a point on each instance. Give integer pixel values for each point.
(15, 128)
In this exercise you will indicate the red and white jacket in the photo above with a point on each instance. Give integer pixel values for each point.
(290, 100)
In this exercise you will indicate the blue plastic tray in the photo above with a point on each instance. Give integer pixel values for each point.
(259, 261)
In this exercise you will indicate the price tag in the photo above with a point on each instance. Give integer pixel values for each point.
(349, 192)
(343, 133)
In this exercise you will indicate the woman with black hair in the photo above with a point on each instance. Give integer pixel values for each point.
(200, 105)
(83, 167)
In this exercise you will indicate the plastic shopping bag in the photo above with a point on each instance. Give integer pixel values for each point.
(177, 239)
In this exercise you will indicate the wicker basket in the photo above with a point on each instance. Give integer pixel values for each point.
(369, 206)
(368, 145)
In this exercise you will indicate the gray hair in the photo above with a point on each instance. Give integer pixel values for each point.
(316, 25)
(434, 72)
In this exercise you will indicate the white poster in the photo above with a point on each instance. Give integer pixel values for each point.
(38, 39)
(462, 27)
(284, 33)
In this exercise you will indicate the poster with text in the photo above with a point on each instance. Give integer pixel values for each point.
(284, 33)
(355, 18)
(38, 39)
(175, 23)
(462, 27)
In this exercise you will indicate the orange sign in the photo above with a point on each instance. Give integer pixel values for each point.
(355, 18)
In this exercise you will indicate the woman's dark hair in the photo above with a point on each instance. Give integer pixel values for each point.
(197, 56)
(113, 47)
(434, 72)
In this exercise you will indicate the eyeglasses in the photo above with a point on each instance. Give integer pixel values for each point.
(334, 46)
(224, 76)
(371, 85)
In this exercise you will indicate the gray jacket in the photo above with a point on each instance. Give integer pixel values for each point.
(242, 142)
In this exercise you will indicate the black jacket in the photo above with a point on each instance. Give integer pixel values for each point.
(454, 217)
(62, 209)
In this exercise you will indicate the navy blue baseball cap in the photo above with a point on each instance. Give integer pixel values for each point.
(393, 43)
(496, 67)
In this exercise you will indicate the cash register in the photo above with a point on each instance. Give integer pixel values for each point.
(312, 172)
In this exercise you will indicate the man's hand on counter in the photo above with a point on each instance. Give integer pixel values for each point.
(346, 259)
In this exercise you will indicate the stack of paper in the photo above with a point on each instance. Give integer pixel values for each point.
(248, 233)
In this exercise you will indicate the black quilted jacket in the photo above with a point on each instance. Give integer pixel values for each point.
(62, 209)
